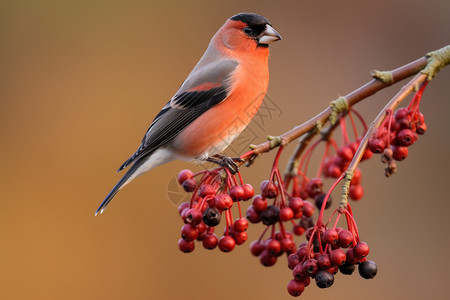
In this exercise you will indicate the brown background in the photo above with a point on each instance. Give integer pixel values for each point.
(81, 80)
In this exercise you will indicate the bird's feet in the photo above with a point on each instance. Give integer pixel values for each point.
(226, 162)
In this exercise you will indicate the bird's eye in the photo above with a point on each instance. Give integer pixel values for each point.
(248, 30)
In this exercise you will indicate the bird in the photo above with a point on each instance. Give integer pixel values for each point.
(214, 104)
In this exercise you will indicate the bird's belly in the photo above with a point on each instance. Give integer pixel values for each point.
(216, 129)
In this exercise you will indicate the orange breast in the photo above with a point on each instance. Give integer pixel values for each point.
(215, 129)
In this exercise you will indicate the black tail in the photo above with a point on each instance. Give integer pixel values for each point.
(119, 185)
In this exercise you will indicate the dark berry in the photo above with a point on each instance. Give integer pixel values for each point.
(270, 216)
(367, 269)
(211, 217)
(318, 199)
(324, 279)
(347, 269)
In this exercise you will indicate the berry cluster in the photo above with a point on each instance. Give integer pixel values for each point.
(213, 194)
(398, 132)
(328, 251)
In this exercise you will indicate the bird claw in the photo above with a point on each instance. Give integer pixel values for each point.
(227, 162)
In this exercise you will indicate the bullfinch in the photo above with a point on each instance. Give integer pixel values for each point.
(214, 104)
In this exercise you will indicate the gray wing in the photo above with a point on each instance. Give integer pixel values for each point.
(206, 86)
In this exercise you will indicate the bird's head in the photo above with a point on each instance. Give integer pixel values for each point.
(247, 31)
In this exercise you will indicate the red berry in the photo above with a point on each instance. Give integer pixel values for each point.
(302, 252)
(295, 288)
(314, 187)
(356, 179)
(351, 258)
(210, 241)
(310, 267)
(240, 225)
(268, 189)
(194, 216)
(356, 192)
(345, 153)
(189, 232)
(223, 202)
(184, 175)
(296, 204)
(182, 206)
(266, 259)
(240, 237)
(334, 171)
(226, 243)
(249, 192)
(338, 257)
(288, 245)
(201, 227)
(293, 260)
(186, 246)
(345, 239)
(376, 145)
(189, 185)
(367, 154)
(237, 193)
(308, 209)
(330, 236)
(298, 229)
(405, 137)
(252, 215)
(399, 152)
(286, 214)
(361, 250)
(401, 113)
(324, 262)
(206, 190)
(299, 273)
(274, 247)
(259, 203)
(421, 128)
(256, 248)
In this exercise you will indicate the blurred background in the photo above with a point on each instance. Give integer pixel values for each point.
(80, 81)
